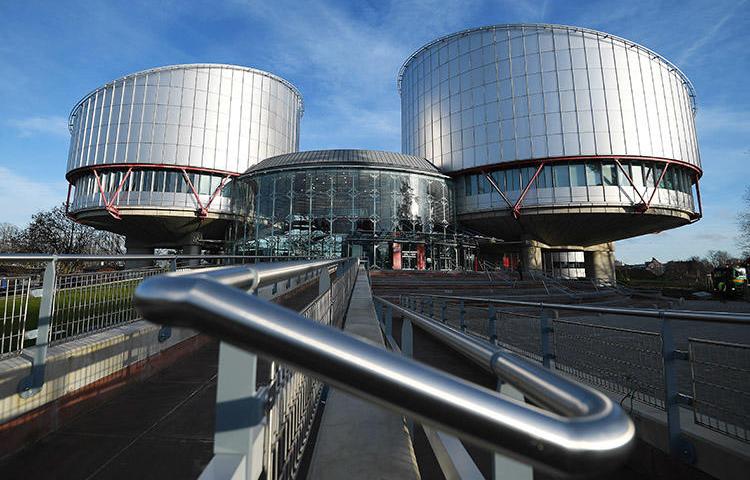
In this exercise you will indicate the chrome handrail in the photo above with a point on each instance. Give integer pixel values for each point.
(598, 440)
(694, 315)
(44, 257)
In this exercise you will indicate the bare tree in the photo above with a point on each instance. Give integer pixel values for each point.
(9, 237)
(718, 258)
(744, 223)
(52, 231)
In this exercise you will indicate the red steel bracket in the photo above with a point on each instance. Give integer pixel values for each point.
(497, 189)
(109, 205)
(517, 206)
(202, 210)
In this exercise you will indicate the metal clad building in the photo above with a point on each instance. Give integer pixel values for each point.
(558, 134)
(164, 143)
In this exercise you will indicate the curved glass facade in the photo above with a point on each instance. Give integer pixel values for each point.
(565, 183)
(326, 210)
(519, 92)
(155, 189)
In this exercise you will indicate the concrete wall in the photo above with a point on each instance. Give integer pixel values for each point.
(74, 365)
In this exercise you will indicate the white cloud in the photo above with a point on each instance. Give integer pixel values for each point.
(44, 125)
(349, 59)
(722, 120)
(21, 197)
(709, 35)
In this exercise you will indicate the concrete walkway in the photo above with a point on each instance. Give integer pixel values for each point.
(357, 439)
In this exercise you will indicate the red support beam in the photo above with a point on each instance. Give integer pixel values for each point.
(201, 211)
(112, 211)
(630, 180)
(698, 194)
(119, 189)
(517, 206)
(497, 189)
(216, 192)
(67, 200)
(656, 186)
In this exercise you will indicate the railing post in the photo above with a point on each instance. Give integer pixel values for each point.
(678, 445)
(546, 331)
(442, 311)
(492, 323)
(407, 350)
(462, 316)
(407, 338)
(32, 384)
(324, 281)
(432, 307)
(505, 467)
(422, 301)
(389, 321)
(379, 311)
(239, 412)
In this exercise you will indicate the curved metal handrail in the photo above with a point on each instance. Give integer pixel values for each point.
(600, 439)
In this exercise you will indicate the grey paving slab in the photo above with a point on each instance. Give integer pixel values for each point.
(375, 441)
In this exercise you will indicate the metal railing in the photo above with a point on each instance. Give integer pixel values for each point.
(598, 438)
(14, 305)
(711, 378)
(79, 295)
(81, 301)
(294, 398)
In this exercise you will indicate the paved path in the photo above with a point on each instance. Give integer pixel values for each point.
(357, 439)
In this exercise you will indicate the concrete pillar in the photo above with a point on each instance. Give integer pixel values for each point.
(192, 250)
(531, 255)
(137, 248)
(600, 262)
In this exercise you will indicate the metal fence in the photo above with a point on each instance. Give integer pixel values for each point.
(295, 397)
(91, 301)
(86, 293)
(641, 365)
(720, 374)
(14, 306)
(618, 359)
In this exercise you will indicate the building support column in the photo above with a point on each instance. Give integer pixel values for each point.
(600, 262)
(133, 247)
(531, 255)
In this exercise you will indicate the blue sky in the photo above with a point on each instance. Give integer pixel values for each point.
(344, 57)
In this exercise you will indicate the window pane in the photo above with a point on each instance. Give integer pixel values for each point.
(159, 181)
(561, 175)
(609, 174)
(469, 184)
(593, 174)
(181, 184)
(499, 177)
(148, 181)
(578, 174)
(205, 185)
(513, 179)
(622, 179)
(171, 179)
(648, 174)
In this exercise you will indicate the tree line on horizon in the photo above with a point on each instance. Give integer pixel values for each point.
(53, 232)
